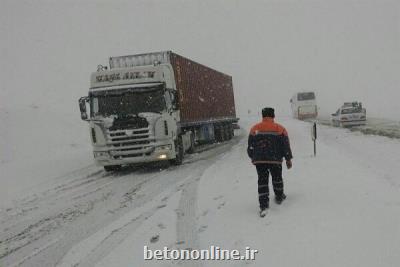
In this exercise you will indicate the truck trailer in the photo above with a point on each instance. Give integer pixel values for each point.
(156, 107)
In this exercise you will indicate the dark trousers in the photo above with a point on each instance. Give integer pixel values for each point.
(263, 171)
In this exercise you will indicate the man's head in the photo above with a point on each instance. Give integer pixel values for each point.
(268, 112)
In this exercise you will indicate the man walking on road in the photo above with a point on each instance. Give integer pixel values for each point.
(268, 144)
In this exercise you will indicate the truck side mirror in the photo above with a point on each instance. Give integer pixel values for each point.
(82, 107)
(175, 100)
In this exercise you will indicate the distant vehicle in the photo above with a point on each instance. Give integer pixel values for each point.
(304, 105)
(349, 114)
(156, 106)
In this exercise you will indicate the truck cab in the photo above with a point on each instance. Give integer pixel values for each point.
(133, 116)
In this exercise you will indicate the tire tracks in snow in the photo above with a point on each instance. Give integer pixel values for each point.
(84, 202)
(56, 211)
(186, 182)
(187, 226)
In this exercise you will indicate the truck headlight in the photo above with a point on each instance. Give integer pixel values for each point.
(101, 154)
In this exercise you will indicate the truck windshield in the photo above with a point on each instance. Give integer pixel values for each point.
(128, 101)
(305, 96)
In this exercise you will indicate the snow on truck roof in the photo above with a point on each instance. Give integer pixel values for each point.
(152, 58)
(139, 59)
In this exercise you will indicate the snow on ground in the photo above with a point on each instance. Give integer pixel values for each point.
(343, 206)
(37, 146)
(160, 230)
(374, 126)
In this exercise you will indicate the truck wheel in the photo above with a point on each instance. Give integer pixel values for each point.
(217, 133)
(230, 131)
(191, 149)
(179, 152)
(225, 134)
(112, 168)
(221, 135)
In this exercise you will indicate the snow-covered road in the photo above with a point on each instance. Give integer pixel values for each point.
(343, 208)
(39, 229)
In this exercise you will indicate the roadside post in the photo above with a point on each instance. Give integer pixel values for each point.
(314, 137)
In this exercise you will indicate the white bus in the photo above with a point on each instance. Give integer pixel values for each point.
(304, 105)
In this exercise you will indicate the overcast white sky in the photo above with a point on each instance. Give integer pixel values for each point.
(342, 50)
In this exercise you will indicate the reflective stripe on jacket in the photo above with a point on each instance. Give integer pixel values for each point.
(268, 142)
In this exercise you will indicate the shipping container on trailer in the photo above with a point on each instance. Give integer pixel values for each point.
(205, 94)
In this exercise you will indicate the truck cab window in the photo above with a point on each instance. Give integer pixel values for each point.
(129, 102)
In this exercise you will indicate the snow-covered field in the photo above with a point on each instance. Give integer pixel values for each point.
(343, 206)
(374, 126)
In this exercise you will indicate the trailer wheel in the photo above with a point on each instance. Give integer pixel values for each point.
(179, 152)
(225, 132)
(229, 131)
(221, 132)
(191, 149)
(217, 133)
(112, 168)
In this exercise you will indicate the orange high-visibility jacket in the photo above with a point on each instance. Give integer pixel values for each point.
(268, 143)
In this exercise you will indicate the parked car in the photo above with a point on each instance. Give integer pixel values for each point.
(349, 114)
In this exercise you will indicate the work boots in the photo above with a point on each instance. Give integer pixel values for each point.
(280, 198)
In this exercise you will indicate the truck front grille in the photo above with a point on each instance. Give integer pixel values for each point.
(126, 143)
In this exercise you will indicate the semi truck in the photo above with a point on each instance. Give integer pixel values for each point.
(156, 107)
